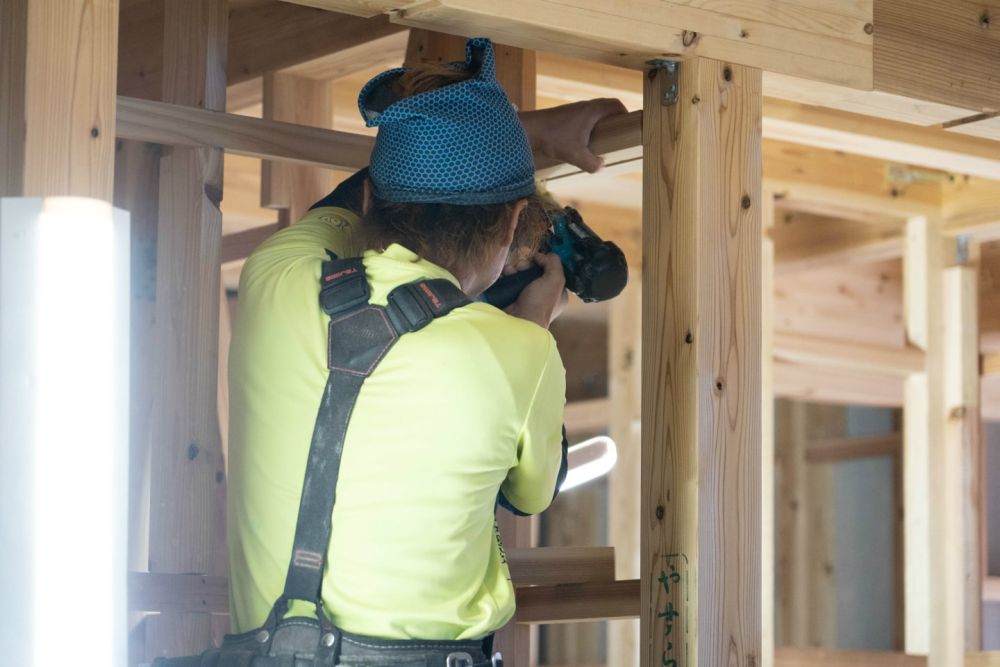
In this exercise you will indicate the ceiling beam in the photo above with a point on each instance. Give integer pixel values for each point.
(262, 38)
(801, 39)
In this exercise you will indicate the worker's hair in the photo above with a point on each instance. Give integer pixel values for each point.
(451, 235)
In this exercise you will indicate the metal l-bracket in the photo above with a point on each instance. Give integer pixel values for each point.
(672, 70)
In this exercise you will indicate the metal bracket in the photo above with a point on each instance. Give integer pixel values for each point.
(672, 86)
(962, 249)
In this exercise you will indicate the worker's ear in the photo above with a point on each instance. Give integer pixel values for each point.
(512, 222)
(366, 197)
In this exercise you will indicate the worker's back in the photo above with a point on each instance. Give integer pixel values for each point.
(451, 412)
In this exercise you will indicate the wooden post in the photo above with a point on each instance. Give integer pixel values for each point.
(958, 515)
(942, 453)
(701, 384)
(767, 430)
(923, 430)
(624, 386)
(293, 188)
(187, 522)
(136, 187)
(58, 63)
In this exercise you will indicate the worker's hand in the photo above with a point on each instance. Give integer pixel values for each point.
(563, 133)
(543, 299)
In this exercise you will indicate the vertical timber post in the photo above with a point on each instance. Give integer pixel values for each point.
(701, 383)
(624, 391)
(767, 534)
(960, 513)
(923, 426)
(58, 66)
(942, 453)
(293, 188)
(187, 520)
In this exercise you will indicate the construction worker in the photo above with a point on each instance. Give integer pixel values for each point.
(451, 419)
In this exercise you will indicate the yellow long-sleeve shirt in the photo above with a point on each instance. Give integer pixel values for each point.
(468, 405)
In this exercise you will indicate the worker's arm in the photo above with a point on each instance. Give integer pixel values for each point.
(563, 133)
(541, 449)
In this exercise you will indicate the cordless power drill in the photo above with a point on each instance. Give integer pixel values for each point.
(595, 270)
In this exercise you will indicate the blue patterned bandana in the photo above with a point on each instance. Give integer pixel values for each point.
(460, 144)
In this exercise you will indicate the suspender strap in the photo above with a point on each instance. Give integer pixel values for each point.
(360, 335)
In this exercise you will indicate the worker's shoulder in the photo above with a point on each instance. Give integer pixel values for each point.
(321, 229)
(510, 338)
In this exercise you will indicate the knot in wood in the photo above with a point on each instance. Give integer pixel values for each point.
(689, 37)
(745, 201)
(985, 21)
(719, 385)
(869, 28)
(688, 338)
(94, 132)
(727, 73)
(659, 512)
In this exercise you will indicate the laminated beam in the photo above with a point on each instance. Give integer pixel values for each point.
(57, 88)
(701, 391)
(187, 508)
(942, 52)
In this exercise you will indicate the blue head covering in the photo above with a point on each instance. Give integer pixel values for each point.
(460, 144)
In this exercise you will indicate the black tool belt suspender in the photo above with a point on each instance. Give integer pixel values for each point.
(360, 335)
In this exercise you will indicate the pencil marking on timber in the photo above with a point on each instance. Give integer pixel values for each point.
(674, 584)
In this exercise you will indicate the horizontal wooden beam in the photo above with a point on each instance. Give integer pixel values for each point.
(549, 566)
(930, 147)
(806, 242)
(176, 125)
(792, 37)
(838, 354)
(845, 449)
(808, 383)
(158, 592)
(818, 657)
(618, 140)
(262, 37)
(571, 603)
(240, 245)
(585, 417)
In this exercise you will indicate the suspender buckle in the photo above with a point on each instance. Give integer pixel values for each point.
(411, 306)
(344, 286)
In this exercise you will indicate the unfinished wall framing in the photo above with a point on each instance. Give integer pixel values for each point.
(739, 188)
